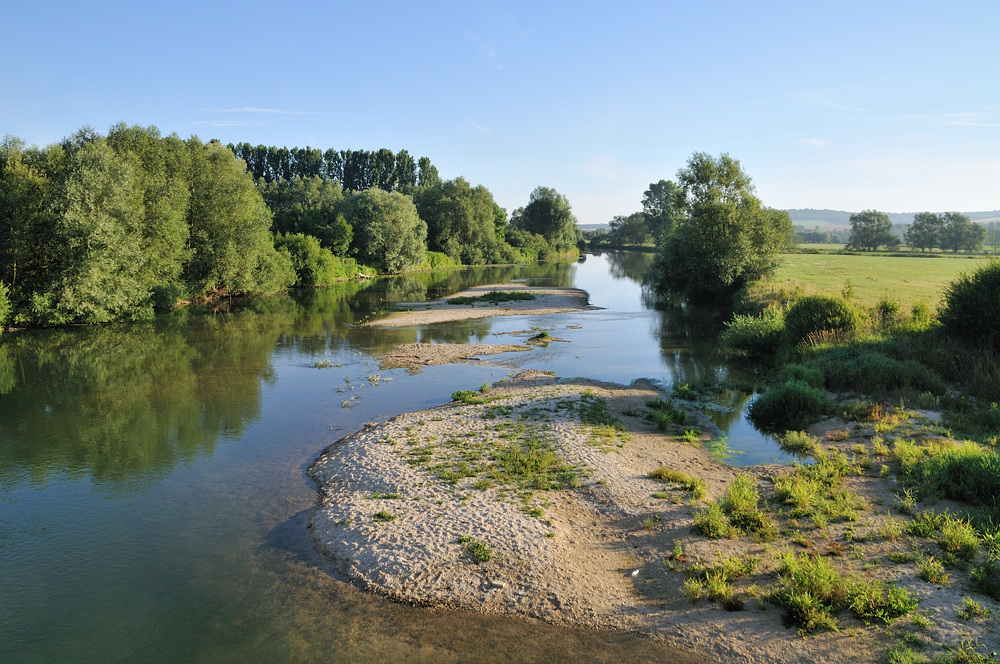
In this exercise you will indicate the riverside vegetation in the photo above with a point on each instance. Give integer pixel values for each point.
(877, 372)
(102, 228)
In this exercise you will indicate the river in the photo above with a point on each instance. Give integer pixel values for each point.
(153, 496)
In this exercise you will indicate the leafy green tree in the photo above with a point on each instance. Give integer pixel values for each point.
(959, 233)
(461, 221)
(663, 204)
(5, 307)
(389, 235)
(161, 167)
(96, 239)
(427, 173)
(971, 311)
(727, 239)
(871, 229)
(925, 231)
(308, 205)
(549, 215)
(28, 178)
(631, 229)
(232, 249)
(314, 264)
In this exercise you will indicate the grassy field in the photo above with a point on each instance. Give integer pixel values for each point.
(903, 278)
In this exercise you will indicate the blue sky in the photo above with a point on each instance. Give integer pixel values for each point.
(846, 105)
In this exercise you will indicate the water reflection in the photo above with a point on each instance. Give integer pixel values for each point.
(115, 401)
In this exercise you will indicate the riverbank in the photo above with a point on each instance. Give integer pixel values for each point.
(534, 301)
(535, 498)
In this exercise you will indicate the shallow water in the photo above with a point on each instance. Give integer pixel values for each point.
(153, 494)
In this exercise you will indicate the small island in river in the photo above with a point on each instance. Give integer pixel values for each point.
(584, 503)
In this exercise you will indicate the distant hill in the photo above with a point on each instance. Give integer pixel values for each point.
(839, 218)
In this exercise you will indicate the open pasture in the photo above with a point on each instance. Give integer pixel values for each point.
(906, 279)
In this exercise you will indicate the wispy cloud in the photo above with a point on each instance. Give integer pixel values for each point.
(228, 123)
(255, 109)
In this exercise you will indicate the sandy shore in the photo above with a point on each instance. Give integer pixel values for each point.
(548, 300)
(402, 503)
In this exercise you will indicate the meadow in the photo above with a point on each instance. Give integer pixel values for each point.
(904, 278)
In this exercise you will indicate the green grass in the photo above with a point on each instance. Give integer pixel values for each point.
(693, 484)
(480, 551)
(909, 279)
(493, 297)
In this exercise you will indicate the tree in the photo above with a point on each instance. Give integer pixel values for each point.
(727, 239)
(161, 167)
(870, 230)
(232, 249)
(629, 230)
(958, 233)
(548, 214)
(925, 231)
(96, 241)
(461, 221)
(389, 235)
(663, 204)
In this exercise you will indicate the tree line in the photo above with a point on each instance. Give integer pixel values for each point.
(948, 231)
(98, 228)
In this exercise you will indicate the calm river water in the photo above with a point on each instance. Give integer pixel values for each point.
(153, 495)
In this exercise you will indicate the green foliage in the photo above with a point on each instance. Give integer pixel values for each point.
(461, 221)
(5, 306)
(822, 313)
(811, 590)
(961, 470)
(548, 214)
(790, 405)
(695, 485)
(880, 602)
(755, 337)
(435, 260)
(493, 297)
(480, 551)
(95, 243)
(868, 369)
(231, 242)
(971, 311)
(388, 233)
(314, 264)
(384, 517)
(711, 522)
(664, 414)
(727, 239)
(799, 442)
(871, 229)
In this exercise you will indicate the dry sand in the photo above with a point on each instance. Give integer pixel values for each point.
(548, 300)
(591, 556)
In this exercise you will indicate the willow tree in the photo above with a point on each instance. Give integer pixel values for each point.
(727, 238)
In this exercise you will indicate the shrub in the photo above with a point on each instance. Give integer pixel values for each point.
(755, 336)
(799, 442)
(868, 370)
(5, 306)
(807, 373)
(711, 522)
(878, 601)
(791, 405)
(821, 313)
(971, 310)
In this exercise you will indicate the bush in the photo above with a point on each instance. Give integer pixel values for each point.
(822, 313)
(865, 369)
(790, 405)
(755, 336)
(971, 309)
(5, 306)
